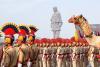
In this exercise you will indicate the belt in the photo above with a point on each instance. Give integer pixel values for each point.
(60, 56)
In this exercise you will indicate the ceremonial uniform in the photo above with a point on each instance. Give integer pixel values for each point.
(33, 49)
(24, 49)
(33, 55)
(96, 52)
(91, 56)
(36, 53)
(81, 55)
(53, 53)
(67, 56)
(10, 54)
(70, 51)
(60, 54)
(77, 54)
(98, 57)
(81, 52)
(63, 45)
(86, 49)
(40, 54)
(74, 52)
(74, 56)
(46, 54)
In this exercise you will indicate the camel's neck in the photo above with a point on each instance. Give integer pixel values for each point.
(86, 28)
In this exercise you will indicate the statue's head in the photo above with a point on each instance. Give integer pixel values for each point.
(77, 19)
(55, 9)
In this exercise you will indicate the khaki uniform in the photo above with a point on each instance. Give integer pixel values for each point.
(74, 64)
(96, 52)
(76, 59)
(64, 59)
(78, 56)
(86, 49)
(40, 56)
(71, 54)
(10, 56)
(81, 56)
(53, 56)
(1, 54)
(91, 56)
(33, 54)
(98, 59)
(36, 51)
(68, 56)
(60, 57)
(25, 50)
(46, 57)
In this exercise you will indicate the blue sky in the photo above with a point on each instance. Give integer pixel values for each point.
(39, 12)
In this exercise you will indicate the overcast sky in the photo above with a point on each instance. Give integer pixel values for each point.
(39, 12)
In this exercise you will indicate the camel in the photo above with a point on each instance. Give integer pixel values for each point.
(91, 38)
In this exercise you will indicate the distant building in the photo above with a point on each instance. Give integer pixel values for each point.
(95, 28)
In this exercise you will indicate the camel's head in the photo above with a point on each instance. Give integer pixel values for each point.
(76, 19)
